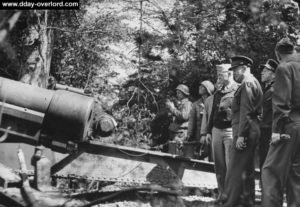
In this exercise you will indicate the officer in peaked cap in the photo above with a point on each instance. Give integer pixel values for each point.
(240, 60)
(246, 106)
(267, 78)
(270, 65)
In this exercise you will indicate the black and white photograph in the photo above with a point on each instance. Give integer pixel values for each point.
(150, 103)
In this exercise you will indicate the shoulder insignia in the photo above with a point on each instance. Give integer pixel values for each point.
(249, 84)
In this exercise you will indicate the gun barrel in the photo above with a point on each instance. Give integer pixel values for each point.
(69, 88)
(67, 115)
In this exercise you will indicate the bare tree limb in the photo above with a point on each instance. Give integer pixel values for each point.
(74, 31)
(163, 13)
(151, 93)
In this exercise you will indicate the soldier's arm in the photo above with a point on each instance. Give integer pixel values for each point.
(192, 121)
(209, 121)
(268, 95)
(281, 99)
(246, 103)
(205, 117)
(184, 113)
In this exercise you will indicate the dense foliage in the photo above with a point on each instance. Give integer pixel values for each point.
(131, 54)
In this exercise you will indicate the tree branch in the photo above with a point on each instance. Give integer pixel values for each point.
(151, 93)
(74, 31)
(163, 13)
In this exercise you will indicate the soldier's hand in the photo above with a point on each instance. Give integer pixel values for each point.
(240, 143)
(208, 138)
(169, 104)
(285, 136)
(275, 138)
(203, 140)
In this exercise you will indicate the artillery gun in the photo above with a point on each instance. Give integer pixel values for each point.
(59, 120)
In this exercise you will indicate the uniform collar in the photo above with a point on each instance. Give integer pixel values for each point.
(229, 88)
(184, 100)
(247, 78)
(293, 58)
(269, 85)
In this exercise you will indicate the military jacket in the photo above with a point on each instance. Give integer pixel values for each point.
(266, 119)
(195, 120)
(286, 96)
(246, 104)
(208, 103)
(224, 107)
(181, 115)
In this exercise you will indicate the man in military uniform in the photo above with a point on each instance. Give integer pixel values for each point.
(219, 128)
(208, 98)
(246, 106)
(267, 77)
(282, 166)
(206, 89)
(199, 151)
(178, 128)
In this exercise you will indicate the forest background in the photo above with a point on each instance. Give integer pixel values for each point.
(131, 54)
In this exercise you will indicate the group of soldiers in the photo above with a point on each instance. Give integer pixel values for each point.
(236, 115)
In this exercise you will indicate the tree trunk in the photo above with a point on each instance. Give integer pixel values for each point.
(39, 41)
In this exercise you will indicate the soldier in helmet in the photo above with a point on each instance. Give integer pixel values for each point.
(206, 89)
(246, 106)
(178, 128)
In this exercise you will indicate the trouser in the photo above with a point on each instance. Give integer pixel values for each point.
(239, 181)
(264, 143)
(282, 169)
(221, 147)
